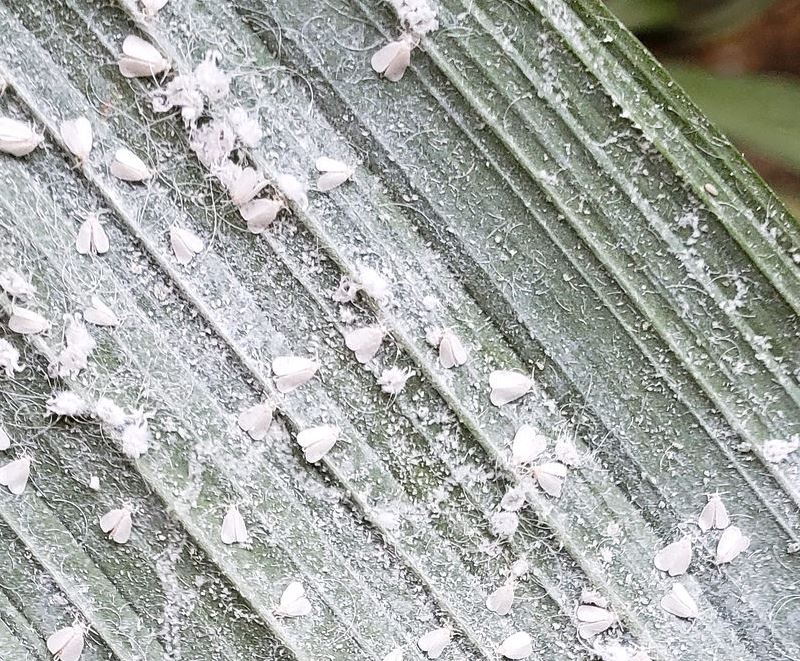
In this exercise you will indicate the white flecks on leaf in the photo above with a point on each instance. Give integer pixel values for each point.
(373, 284)
(293, 189)
(395, 655)
(393, 59)
(94, 483)
(117, 525)
(676, 557)
(67, 404)
(550, 477)
(589, 596)
(416, 16)
(26, 322)
(136, 439)
(333, 173)
(777, 450)
(731, 543)
(77, 136)
(452, 352)
(17, 138)
(99, 314)
(9, 358)
(180, 92)
(507, 386)
(293, 371)
(364, 342)
(66, 644)
(514, 499)
(593, 620)
(15, 474)
(294, 602)
(317, 441)
(214, 84)
(502, 599)
(185, 244)
(516, 646)
(260, 214)
(434, 642)
(152, 7)
(247, 128)
(714, 515)
(110, 413)
(234, 530)
(504, 524)
(16, 285)
(127, 166)
(393, 380)
(680, 603)
(140, 59)
(256, 420)
(91, 238)
(566, 452)
(5, 439)
(528, 445)
(75, 355)
(520, 567)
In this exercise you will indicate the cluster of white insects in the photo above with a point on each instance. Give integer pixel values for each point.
(214, 142)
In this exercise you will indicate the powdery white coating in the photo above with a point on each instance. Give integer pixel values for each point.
(452, 352)
(676, 557)
(417, 16)
(680, 603)
(94, 483)
(100, 314)
(514, 499)
(26, 322)
(393, 59)
(16, 285)
(91, 238)
(393, 380)
(333, 173)
(732, 543)
(9, 358)
(109, 413)
(777, 450)
(185, 244)
(293, 371)
(75, 355)
(214, 84)
(152, 7)
(566, 452)
(136, 439)
(364, 342)
(247, 128)
(507, 386)
(520, 567)
(234, 530)
(395, 655)
(502, 599)
(18, 138)
(117, 524)
(434, 642)
(66, 403)
(66, 644)
(294, 602)
(180, 92)
(128, 166)
(244, 184)
(15, 474)
(293, 189)
(317, 441)
(5, 439)
(593, 620)
(373, 284)
(77, 136)
(140, 59)
(714, 515)
(613, 650)
(528, 444)
(550, 477)
(260, 214)
(504, 524)
(256, 420)
(516, 646)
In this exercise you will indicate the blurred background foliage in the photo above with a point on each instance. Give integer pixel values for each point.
(740, 61)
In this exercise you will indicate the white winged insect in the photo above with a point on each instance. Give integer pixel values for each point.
(395, 655)
(501, 600)
(393, 59)
(92, 238)
(9, 358)
(110, 413)
(140, 59)
(260, 214)
(364, 342)
(293, 189)
(5, 439)
(66, 644)
(528, 444)
(26, 322)
(317, 441)
(245, 185)
(16, 285)
(452, 352)
(676, 557)
(15, 474)
(507, 386)
(293, 371)
(294, 602)
(77, 136)
(256, 420)
(99, 314)
(730, 545)
(714, 515)
(333, 173)
(680, 603)
(117, 524)
(128, 166)
(136, 439)
(593, 620)
(17, 138)
(518, 645)
(434, 642)
(234, 530)
(74, 356)
(550, 477)
(152, 7)
(185, 244)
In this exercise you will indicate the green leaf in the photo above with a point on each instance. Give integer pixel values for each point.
(537, 184)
